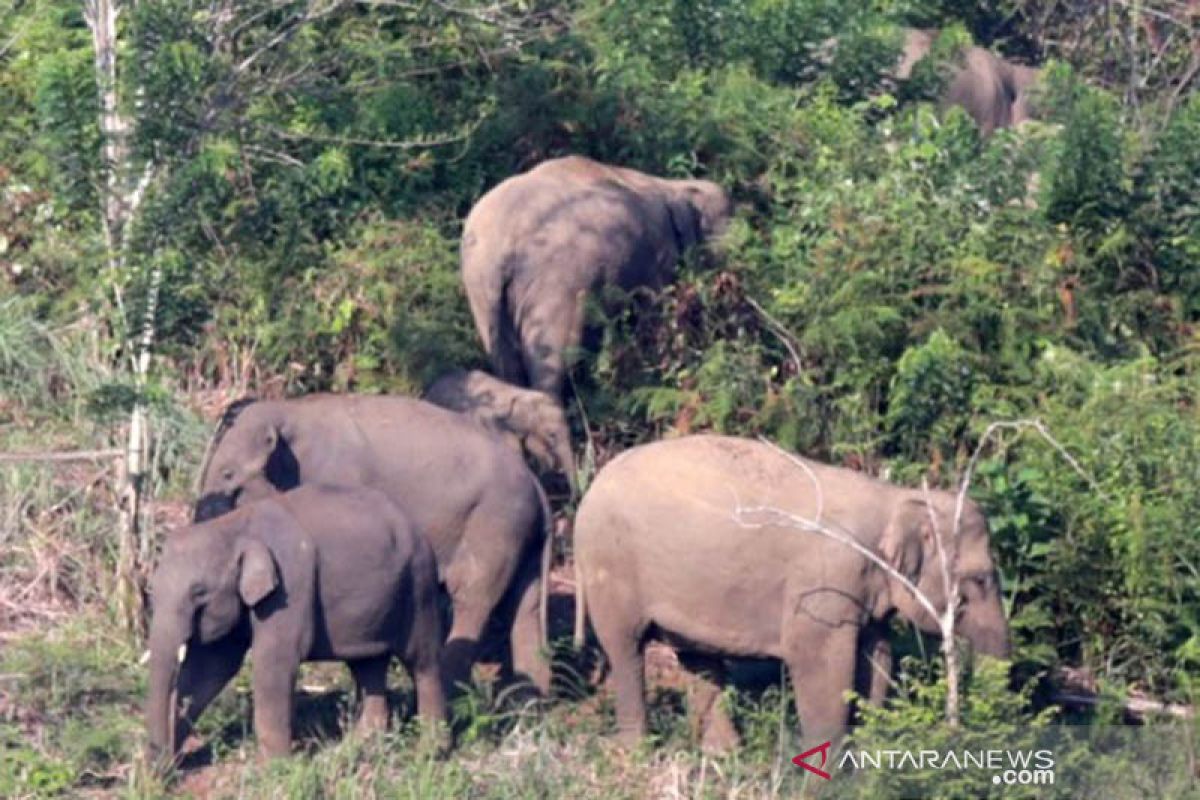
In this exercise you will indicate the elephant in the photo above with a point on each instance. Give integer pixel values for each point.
(472, 498)
(993, 91)
(315, 574)
(537, 245)
(530, 421)
(695, 541)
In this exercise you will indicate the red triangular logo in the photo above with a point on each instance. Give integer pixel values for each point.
(823, 749)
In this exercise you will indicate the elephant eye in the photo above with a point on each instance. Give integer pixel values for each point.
(227, 475)
(197, 592)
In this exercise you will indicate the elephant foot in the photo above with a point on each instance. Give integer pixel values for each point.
(720, 737)
(628, 738)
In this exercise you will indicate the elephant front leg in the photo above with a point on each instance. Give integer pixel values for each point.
(274, 697)
(874, 669)
(821, 660)
(206, 671)
(370, 680)
(710, 723)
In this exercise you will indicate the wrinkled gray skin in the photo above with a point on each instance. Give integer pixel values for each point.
(314, 574)
(466, 492)
(660, 552)
(538, 244)
(995, 92)
(530, 421)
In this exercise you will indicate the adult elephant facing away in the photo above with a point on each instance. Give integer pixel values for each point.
(470, 495)
(994, 91)
(686, 540)
(536, 245)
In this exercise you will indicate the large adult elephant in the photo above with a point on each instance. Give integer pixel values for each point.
(995, 92)
(701, 541)
(536, 245)
(469, 494)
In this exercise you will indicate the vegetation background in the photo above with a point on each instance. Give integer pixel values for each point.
(271, 204)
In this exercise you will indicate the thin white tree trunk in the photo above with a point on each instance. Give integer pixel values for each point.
(120, 198)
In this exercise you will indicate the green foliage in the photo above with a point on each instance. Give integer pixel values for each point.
(930, 394)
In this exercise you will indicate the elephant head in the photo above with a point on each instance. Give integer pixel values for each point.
(540, 423)
(250, 457)
(910, 546)
(207, 579)
(700, 211)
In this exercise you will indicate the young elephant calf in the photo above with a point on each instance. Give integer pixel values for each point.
(531, 422)
(314, 574)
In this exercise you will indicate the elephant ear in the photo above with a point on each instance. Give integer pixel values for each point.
(685, 222)
(257, 573)
(908, 534)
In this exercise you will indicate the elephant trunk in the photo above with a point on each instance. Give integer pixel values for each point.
(168, 647)
(566, 460)
(162, 704)
(987, 630)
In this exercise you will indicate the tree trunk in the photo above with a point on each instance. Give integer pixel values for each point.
(119, 202)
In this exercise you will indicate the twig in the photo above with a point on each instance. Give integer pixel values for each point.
(804, 523)
(61, 457)
(807, 469)
(781, 332)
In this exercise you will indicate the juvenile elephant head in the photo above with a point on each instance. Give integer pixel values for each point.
(910, 546)
(532, 422)
(540, 424)
(250, 457)
(207, 579)
(700, 211)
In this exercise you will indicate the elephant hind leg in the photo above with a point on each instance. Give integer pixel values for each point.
(709, 721)
(370, 681)
(551, 334)
(620, 629)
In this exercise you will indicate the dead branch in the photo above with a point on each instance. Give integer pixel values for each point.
(61, 457)
(1134, 706)
(781, 332)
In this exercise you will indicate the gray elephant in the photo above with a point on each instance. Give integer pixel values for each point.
(678, 539)
(995, 92)
(530, 421)
(316, 574)
(469, 495)
(536, 246)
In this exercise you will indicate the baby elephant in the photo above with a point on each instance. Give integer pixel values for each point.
(531, 421)
(313, 574)
(716, 544)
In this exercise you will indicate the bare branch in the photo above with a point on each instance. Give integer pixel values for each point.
(393, 144)
(776, 516)
(812, 475)
(61, 457)
(781, 332)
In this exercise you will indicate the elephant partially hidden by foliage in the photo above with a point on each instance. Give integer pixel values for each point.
(315, 574)
(471, 497)
(532, 422)
(689, 540)
(994, 91)
(536, 246)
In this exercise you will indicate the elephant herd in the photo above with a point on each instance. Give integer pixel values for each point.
(362, 528)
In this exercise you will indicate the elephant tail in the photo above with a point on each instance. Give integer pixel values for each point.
(580, 607)
(485, 278)
(547, 563)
